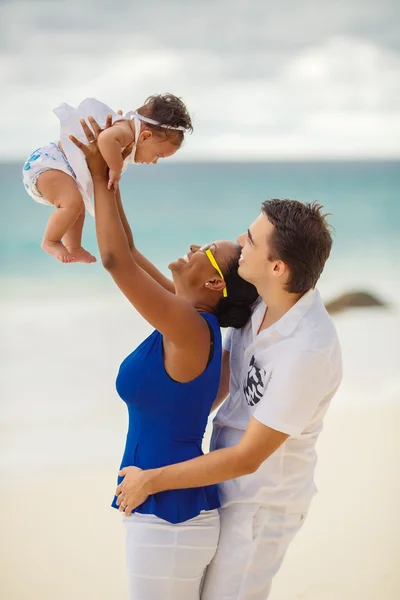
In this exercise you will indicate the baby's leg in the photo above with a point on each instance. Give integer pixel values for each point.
(61, 190)
(72, 241)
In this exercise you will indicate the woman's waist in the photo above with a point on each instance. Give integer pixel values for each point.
(153, 454)
(162, 438)
(181, 505)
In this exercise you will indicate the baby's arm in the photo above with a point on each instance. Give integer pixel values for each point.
(111, 141)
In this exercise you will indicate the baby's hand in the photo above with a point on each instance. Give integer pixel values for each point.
(113, 179)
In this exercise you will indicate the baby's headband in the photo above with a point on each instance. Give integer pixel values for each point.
(153, 122)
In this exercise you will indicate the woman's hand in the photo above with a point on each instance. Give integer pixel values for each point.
(95, 161)
(132, 491)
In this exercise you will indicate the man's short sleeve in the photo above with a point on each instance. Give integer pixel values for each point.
(297, 385)
(227, 341)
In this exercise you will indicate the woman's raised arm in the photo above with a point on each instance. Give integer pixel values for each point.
(138, 257)
(141, 260)
(173, 316)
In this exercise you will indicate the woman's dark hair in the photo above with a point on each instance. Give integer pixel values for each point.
(170, 110)
(235, 310)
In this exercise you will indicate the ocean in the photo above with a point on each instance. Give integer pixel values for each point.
(66, 328)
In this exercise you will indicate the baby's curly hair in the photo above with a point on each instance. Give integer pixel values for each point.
(170, 110)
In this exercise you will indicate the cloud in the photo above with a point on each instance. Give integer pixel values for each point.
(262, 80)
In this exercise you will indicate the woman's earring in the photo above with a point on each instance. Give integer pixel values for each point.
(207, 284)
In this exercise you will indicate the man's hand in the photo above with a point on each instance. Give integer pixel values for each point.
(133, 490)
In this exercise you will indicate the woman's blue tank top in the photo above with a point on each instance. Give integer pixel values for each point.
(167, 420)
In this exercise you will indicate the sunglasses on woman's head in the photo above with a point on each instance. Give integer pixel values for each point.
(211, 258)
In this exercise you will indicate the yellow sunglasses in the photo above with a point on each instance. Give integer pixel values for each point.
(214, 263)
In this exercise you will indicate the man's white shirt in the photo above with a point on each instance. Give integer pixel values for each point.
(285, 377)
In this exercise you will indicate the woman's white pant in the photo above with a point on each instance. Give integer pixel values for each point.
(167, 561)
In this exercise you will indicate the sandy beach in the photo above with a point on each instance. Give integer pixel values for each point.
(62, 433)
(60, 538)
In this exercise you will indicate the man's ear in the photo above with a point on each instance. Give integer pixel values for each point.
(279, 268)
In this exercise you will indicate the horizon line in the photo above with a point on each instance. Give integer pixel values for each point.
(224, 160)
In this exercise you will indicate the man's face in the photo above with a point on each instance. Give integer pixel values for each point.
(254, 263)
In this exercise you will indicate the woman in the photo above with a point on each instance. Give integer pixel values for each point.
(169, 384)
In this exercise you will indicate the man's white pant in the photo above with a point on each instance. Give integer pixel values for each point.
(167, 561)
(253, 541)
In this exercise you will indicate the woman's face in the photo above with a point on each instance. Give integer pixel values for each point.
(150, 148)
(195, 271)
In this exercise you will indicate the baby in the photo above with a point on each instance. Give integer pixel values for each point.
(57, 174)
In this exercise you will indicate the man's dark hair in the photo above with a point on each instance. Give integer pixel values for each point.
(167, 109)
(301, 239)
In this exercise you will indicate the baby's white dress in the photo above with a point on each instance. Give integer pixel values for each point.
(70, 159)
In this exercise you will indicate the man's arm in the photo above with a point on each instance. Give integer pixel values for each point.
(257, 444)
(297, 386)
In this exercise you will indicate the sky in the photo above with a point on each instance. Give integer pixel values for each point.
(263, 80)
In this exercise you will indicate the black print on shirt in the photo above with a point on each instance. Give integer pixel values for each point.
(254, 384)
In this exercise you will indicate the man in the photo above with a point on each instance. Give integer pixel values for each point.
(281, 371)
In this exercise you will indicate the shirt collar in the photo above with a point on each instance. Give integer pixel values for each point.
(288, 323)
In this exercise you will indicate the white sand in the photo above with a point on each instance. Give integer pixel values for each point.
(349, 547)
(60, 539)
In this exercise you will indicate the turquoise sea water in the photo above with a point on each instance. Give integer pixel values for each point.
(174, 204)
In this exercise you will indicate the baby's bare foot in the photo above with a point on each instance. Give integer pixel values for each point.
(81, 255)
(58, 250)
